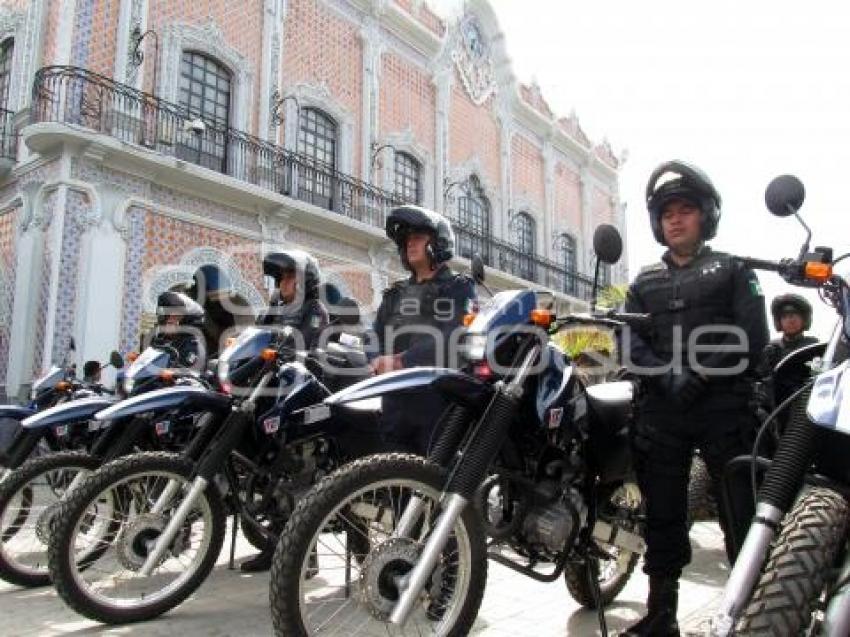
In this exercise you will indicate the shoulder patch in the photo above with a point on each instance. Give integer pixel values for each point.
(755, 287)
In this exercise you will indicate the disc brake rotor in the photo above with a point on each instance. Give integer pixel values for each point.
(137, 538)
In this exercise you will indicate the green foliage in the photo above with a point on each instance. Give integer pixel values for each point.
(611, 297)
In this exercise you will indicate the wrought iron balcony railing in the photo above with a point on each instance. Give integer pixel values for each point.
(71, 95)
(531, 267)
(8, 135)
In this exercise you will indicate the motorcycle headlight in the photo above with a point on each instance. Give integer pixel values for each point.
(476, 347)
(129, 384)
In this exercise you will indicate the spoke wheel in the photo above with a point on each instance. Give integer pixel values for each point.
(98, 571)
(29, 501)
(338, 567)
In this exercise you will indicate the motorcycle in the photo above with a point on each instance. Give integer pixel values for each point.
(265, 449)
(34, 486)
(59, 385)
(797, 538)
(526, 453)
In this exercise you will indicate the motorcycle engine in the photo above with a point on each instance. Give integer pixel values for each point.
(547, 526)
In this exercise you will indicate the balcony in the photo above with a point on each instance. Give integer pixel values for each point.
(78, 97)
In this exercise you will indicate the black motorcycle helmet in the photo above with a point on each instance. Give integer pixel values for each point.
(276, 263)
(680, 180)
(171, 303)
(788, 303)
(406, 219)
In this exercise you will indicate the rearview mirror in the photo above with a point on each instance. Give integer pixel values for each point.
(115, 360)
(784, 195)
(477, 269)
(607, 243)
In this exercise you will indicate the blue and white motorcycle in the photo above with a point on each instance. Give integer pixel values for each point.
(792, 574)
(396, 544)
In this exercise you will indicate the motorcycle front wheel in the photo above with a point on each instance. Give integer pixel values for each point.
(800, 561)
(338, 565)
(29, 499)
(99, 574)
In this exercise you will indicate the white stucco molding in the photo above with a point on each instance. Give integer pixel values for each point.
(465, 170)
(319, 96)
(405, 142)
(209, 40)
(381, 255)
(13, 25)
(163, 278)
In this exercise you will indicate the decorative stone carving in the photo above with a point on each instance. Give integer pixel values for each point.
(169, 276)
(473, 59)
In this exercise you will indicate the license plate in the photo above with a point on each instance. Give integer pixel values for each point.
(95, 425)
(61, 431)
(163, 427)
(316, 413)
(271, 425)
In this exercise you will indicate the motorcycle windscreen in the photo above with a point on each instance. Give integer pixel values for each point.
(829, 404)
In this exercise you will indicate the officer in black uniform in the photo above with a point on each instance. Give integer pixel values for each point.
(417, 317)
(295, 301)
(792, 315)
(179, 322)
(698, 393)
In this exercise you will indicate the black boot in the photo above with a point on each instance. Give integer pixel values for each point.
(262, 561)
(660, 620)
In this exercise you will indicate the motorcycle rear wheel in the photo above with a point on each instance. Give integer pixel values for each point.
(340, 537)
(797, 567)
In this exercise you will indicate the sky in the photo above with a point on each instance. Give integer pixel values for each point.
(745, 90)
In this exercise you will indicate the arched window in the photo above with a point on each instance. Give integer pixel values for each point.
(408, 178)
(7, 52)
(317, 140)
(205, 93)
(525, 232)
(473, 223)
(570, 263)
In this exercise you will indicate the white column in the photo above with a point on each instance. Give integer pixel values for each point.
(100, 281)
(586, 248)
(273, 16)
(370, 35)
(29, 259)
(444, 83)
(548, 197)
(53, 242)
(65, 31)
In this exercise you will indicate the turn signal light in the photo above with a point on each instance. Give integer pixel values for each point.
(468, 318)
(269, 355)
(819, 272)
(63, 385)
(132, 356)
(230, 340)
(542, 318)
(166, 375)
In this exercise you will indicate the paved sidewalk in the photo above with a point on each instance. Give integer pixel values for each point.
(233, 604)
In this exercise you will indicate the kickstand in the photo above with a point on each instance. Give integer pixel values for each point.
(234, 532)
(592, 571)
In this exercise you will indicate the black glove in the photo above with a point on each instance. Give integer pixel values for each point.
(683, 387)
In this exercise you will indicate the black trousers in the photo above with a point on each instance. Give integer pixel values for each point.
(721, 427)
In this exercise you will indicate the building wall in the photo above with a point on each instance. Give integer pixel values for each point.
(324, 51)
(408, 99)
(8, 230)
(527, 172)
(567, 199)
(474, 134)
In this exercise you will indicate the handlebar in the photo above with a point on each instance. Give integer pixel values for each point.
(609, 318)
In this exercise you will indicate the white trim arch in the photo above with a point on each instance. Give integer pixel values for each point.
(319, 97)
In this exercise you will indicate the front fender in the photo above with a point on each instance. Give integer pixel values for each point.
(378, 386)
(74, 411)
(16, 412)
(187, 398)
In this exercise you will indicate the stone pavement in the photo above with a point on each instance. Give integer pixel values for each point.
(233, 604)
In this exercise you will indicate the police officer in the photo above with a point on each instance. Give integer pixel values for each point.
(179, 321)
(698, 392)
(295, 301)
(417, 317)
(792, 315)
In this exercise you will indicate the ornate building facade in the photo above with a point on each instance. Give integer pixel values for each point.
(142, 140)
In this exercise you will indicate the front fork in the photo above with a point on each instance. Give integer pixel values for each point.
(484, 443)
(747, 568)
(206, 470)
